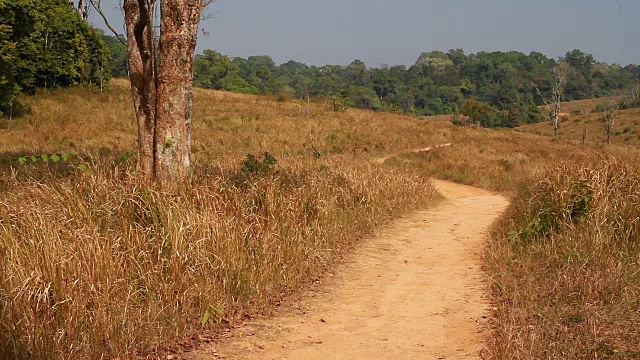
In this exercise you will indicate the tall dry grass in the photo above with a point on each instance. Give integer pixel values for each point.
(565, 262)
(501, 160)
(100, 265)
(103, 265)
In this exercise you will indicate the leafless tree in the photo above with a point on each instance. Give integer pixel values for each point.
(634, 91)
(585, 122)
(554, 101)
(610, 113)
(160, 70)
(82, 8)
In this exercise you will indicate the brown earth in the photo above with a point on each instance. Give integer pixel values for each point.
(414, 291)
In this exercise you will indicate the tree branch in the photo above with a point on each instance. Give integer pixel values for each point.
(97, 5)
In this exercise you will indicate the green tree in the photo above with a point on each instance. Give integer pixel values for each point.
(9, 90)
(212, 70)
(118, 62)
(364, 98)
(45, 44)
(479, 113)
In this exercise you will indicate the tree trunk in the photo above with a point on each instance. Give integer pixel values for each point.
(555, 132)
(141, 74)
(163, 95)
(180, 19)
(584, 134)
(83, 9)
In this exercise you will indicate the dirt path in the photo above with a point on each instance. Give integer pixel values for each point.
(381, 160)
(415, 291)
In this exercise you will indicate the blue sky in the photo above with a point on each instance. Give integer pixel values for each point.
(397, 31)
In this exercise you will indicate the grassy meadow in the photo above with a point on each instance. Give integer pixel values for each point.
(95, 263)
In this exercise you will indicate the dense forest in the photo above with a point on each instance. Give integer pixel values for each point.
(438, 83)
(46, 44)
(497, 85)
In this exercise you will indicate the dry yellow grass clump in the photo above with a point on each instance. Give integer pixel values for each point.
(106, 265)
(565, 261)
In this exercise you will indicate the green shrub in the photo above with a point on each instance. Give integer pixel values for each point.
(253, 165)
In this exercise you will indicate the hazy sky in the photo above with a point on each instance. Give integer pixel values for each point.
(393, 32)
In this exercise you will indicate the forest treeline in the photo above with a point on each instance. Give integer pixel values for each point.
(46, 44)
(496, 87)
(438, 83)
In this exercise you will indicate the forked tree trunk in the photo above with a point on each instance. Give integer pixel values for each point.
(163, 100)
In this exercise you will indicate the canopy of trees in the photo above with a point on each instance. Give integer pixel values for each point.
(438, 83)
(46, 44)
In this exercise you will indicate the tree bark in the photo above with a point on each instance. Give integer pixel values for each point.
(163, 93)
(138, 22)
(180, 19)
(83, 9)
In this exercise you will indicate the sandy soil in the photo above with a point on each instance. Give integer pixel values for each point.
(414, 291)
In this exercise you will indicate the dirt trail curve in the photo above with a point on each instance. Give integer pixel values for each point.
(415, 291)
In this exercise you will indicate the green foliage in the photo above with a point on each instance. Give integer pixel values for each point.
(253, 165)
(124, 158)
(553, 209)
(364, 98)
(477, 112)
(70, 159)
(118, 62)
(45, 44)
(213, 70)
(438, 83)
(339, 102)
(67, 156)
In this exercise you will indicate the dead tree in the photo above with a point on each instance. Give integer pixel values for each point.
(161, 76)
(634, 91)
(584, 124)
(554, 101)
(82, 8)
(610, 113)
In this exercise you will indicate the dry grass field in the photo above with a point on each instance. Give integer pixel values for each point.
(95, 263)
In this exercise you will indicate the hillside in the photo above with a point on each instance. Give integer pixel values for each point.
(626, 129)
(91, 251)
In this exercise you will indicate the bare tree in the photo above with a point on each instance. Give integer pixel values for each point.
(634, 91)
(161, 80)
(82, 8)
(554, 101)
(584, 124)
(610, 113)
